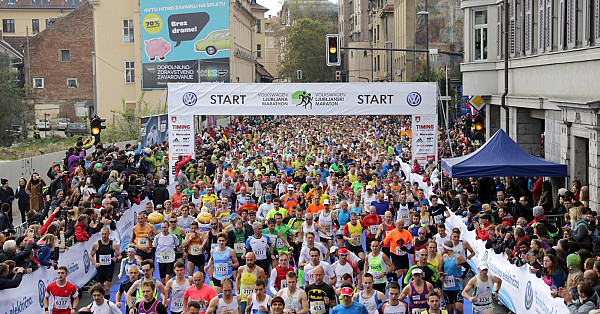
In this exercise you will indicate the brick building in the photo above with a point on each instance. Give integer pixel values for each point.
(60, 78)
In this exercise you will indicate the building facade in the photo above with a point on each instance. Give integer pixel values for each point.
(382, 20)
(554, 58)
(354, 26)
(22, 17)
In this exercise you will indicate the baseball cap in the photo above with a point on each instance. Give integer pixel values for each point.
(290, 187)
(347, 291)
(333, 249)
(318, 187)
(369, 187)
(417, 271)
(343, 251)
(277, 300)
(267, 195)
(483, 265)
(326, 202)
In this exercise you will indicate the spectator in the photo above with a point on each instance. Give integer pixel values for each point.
(8, 282)
(553, 275)
(34, 189)
(579, 229)
(81, 234)
(160, 193)
(587, 299)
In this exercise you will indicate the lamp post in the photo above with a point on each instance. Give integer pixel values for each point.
(426, 14)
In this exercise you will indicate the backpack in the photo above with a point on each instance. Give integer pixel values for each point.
(103, 188)
(143, 166)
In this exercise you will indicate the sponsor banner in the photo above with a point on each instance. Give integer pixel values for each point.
(28, 298)
(177, 34)
(303, 99)
(154, 130)
(181, 139)
(424, 138)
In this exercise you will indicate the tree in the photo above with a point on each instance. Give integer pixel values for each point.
(127, 126)
(305, 50)
(12, 105)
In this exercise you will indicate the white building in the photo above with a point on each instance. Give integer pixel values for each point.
(553, 90)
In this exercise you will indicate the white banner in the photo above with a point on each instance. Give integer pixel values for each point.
(181, 139)
(29, 296)
(302, 99)
(424, 138)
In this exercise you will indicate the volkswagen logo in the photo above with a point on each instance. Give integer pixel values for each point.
(528, 295)
(41, 292)
(413, 99)
(86, 261)
(189, 99)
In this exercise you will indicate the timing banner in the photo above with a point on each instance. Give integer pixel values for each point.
(302, 99)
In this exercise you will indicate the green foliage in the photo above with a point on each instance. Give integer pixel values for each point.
(127, 122)
(305, 50)
(421, 76)
(12, 105)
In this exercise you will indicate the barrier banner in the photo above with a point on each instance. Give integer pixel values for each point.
(181, 140)
(424, 138)
(29, 296)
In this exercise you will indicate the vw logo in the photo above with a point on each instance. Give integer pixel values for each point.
(189, 99)
(41, 292)
(485, 256)
(86, 261)
(528, 295)
(413, 99)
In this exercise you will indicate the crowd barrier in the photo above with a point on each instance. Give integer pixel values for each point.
(29, 296)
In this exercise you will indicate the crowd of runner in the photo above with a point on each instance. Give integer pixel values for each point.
(295, 215)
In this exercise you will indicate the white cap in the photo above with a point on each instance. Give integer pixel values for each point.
(162, 182)
(326, 202)
(290, 187)
(333, 249)
(483, 265)
(369, 187)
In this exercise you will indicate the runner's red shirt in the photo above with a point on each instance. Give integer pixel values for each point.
(59, 298)
(372, 223)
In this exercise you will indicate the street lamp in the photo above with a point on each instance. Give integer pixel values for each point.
(426, 14)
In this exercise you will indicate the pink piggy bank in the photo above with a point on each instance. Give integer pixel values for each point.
(157, 47)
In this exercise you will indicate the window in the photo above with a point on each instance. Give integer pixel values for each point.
(8, 26)
(129, 72)
(127, 31)
(499, 33)
(596, 22)
(480, 36)
(259, 26)
(48, 23)
(35, 26)
(259, 51)
(11, 2)
(65, 55)
(541, 36)
(528, 26)
(72, 83)
(73, 2)
(512, 27)
(38, 82)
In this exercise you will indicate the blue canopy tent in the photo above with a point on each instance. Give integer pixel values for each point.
(500, 156)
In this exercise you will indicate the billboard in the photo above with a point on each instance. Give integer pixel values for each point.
(154, 129)
(180, 38)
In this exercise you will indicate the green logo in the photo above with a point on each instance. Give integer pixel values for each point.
(302, 98)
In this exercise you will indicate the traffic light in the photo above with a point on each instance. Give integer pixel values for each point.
(479, 127)
(333, 50)
(337, 75)
(97, 127)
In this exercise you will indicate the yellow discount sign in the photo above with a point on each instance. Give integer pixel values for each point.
(152, 23)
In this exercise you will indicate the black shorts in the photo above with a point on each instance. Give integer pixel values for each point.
(242, 262)
(197, 260)
(178, 255)
(354, 248)
(379, 287)
(368, 243)
(145, 255)
(453, 296)
(217, 282)
(386, 251)
(165, 269)
(325, 240)
(400, 262)
(264, 264)
(105, 273)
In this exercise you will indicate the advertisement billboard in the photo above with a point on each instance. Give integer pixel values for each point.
(154, 130)
(179, 37)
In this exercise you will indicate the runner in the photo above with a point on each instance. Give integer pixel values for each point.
(277, 239)
(176, 287)
(428, 271)
(194, 241)
(310, 226)
(371, 223)
(353, 234)
(440, 237)
(133, 275)
(307, 246)
(104, 254)
(277, 280)
(180, 234)
(344, 266)
(278, 306)
(295, 221)
(259, 302)
(130, 260)
(385, 228)
(398, 239)
(59, 294)
(185, 220)
(236, 239)
(262, 247)
(286, 232)
(136, 287)
(320, 295)
(393, 305)
(417, 292)
(295, 299)
(199, 292)
(165, 244)
(348, 306)
(370, 297)
(433, 301)
(276, 209)
(453, 276)
(246, 278)
(378, 266)
(149, 303)
(403, 210)
(100, 305)
(224, 259)
(315, 262)
(325, 218)
(343, 217)
(225, 302)
(482, 286)
(143, 232)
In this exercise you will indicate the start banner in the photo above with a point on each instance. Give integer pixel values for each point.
(29, 296)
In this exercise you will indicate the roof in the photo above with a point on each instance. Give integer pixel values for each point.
(500, 156)
(17, 42)
(10, 49)
(262, 71)
(258, 7)
(48, 4)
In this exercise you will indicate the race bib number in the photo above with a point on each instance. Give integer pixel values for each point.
(416, 311)
(485, 300)
(62, 303)
(356, 239)
(373, 229)
(143, 243)
(177, 305)
(326, 227)
(375, 274)
(166, 257)
(247, 291)
(283, 283)
(214, 246)
(225, 221)
(315, 216)
(399, 251)
(239, 248)
(260, 254)
(279, 243)
(425, 221)
(317, 307)
(449, 281)
(221, 269)
(195, 249)
(438, 219)
(105, 260)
